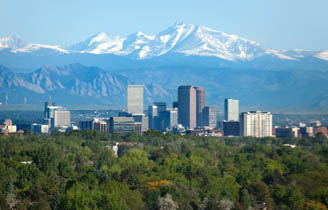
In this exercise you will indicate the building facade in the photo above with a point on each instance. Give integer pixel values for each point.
(231, 110)
(61, 118)
(121, 125)
(152, 114)
(39, 128)
(209, 116)
(135, 99)
(187, 106)
(256, 123)
(200, 105)
(231, 128)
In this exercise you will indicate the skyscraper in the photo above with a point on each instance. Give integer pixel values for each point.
(200, 104)
(152, 114)
(135, 99)
(161, 106)
(187, 106)
(231, 109)
(209, 116)
(256, 123)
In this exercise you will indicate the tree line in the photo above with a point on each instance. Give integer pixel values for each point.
(79, 170)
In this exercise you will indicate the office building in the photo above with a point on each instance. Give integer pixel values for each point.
(124, 113)
(159, 123)
(161, 106)
(286, 132)
(142, 120)
(39, 128)
(169, 118)
(231, 128)
(306, 131)
(231, 110)
(187, 106)
(256, 123)
(321, 129)
(49, 111)
(121, 125)
(61, 119)
(135, 99)
(86, 125)
(175, 104)
(152, 114)
(209, 116)
(200, 105)
(99, 124)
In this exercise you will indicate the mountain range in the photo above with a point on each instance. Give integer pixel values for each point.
(225, 65)
(186, 39)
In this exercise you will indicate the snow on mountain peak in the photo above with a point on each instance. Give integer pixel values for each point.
(99, 38)
(181, 38)
(323, 55)
(11, 42)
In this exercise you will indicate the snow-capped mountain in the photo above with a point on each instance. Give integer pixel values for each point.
(11, 42)
(180, 38)
(100, 43)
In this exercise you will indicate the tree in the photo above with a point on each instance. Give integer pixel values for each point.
(245, 199)
(46, 158)
(167, 203)
(3, 203)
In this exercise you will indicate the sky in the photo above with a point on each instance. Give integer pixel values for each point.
(280, 24)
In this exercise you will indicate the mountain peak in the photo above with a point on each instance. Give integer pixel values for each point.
(12, 42)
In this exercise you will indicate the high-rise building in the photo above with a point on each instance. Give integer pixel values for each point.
(61, 118)
(152, 114)
(161, 106)
(159, 119)
(187, 106)
(135, 99)
(169, 119)
(46, 113)
(231, 109)
(256, 123)
(175, 104)
(200, 104)
(209, 116)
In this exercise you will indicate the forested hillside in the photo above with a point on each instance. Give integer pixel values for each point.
(79, 170)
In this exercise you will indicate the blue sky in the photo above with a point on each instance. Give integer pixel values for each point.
(281, 24)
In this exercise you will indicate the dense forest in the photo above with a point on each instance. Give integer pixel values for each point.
(79, 170)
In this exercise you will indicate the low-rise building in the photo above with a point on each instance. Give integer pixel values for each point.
(39, 128)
